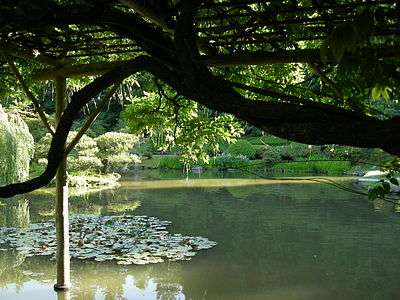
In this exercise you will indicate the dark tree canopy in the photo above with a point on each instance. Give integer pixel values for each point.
(239, 57)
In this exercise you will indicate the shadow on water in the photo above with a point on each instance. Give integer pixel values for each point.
(276, 240)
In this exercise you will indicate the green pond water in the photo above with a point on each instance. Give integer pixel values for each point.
(276, 240)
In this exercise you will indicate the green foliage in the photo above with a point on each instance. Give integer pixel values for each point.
(82, 157)
(171, 162)
(145, 148)
(355, 155)
(228, 161)
(108, 152)
(115, 143)
(378, 92)
(82, 162)
(115, 150)
(267, 140)
(16, 148)
(120, 163)
(36, 169)
(36, 128)
(385, 186)
(313, 167)
(193, 131)
(295, 151)
(270, 154)
(15, 213)
(42, 147)
(242, 147)
(348, 36)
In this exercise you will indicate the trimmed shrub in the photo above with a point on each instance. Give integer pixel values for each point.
(120, 163)
(115, 143)
(228, 161)
(108, 152)
(87, 146)
(316, 165)
(82, 158)
(242, 147)
(270, 154)
(115, 150)
(84, 163)
(295, 151)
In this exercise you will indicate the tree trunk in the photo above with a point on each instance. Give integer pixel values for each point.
(62, 214)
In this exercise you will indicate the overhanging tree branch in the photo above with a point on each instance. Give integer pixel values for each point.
(147, 12)
(30, 96)
(10, 49)
(281, 57)
(298, 122)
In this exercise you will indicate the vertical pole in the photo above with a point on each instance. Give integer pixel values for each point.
(62, 214)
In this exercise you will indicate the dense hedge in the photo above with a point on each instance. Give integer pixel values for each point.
(242, 147)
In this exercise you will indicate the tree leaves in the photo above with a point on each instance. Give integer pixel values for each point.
(379, 92)
(348, 37)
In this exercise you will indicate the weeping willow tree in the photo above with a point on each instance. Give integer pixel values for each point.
(16, 148)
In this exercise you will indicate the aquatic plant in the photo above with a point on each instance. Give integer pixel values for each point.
(125, 239)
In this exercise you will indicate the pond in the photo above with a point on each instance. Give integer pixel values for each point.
(276, 240)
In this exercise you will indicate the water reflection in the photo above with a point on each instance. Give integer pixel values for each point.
(66, 295)
(14, 213)
(276, 241)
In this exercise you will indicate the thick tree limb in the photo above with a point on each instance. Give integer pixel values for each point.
(91, 69)
(146, 11)
(280, 57)
(299, 122)
(180, 66)
(9, 49)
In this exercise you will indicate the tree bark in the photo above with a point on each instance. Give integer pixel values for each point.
(62, 213)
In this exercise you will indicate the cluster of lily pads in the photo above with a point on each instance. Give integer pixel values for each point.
(125, 239)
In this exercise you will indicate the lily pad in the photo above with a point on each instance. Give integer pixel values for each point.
(125, 239)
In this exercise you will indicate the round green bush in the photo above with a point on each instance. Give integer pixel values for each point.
(295, 151)
(84, 163)
(121, 162)
(113, 143)
(270, 154)
(242, 147)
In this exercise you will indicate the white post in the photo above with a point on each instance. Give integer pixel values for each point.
(62, 214)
